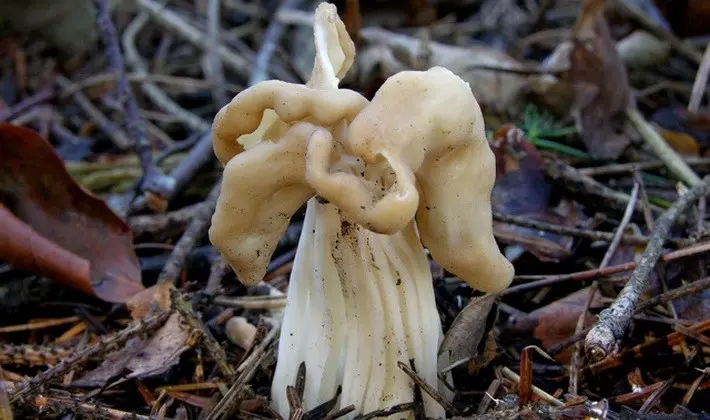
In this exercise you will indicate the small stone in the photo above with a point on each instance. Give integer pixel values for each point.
(240, 332)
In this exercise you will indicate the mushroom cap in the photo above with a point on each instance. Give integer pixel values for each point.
(417, 150)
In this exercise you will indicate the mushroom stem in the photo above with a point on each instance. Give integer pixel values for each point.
(359, 302)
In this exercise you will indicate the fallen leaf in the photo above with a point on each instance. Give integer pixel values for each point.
(111, 366)
(680, 120)
(142, 358)
(463, 338)
(489, 353)
(37, 189)
(521, 189)
(600, 82)
(141, 302)
(24, 248)
(553, 323)
(682, 143)
(162, 351)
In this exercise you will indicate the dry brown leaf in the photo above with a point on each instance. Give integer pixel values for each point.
(37, 189)
(682, 143)
(24, 248)
(111, 366)
(140, 303)
(555, 322)
(521, 189)
(600, 82)
(143, 358)
(467, 330)
(163, 350)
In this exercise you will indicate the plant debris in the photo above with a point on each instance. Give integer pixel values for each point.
(115, 305)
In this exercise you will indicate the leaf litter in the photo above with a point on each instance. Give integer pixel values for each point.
(557, 82)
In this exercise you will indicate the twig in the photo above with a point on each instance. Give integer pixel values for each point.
(675, 164)
(59, 406)
(252, 302)
(194, 232)
(648, 348)
(643, 196)
(39, 325)
(174, 22)
(234, 395)
(200, 155)
(537, 391)
(386, 412)
(116, 134)
(260, 349)
(428, 389)
(488, 397)
(208, 342)
(218, 271)
(594, 235)
(657, 394)
(620, 168)
(701, 81)
(613, 321)
(157, 95)
(154, 180)
(603, 272)
(622, 227)
(691, 288)
(694, 387)
(26, 104)
(185, 83)
(575, 360)
(585, 187)
(163, 226)
(214, 66)
(104, 346)
(692, 334)
(271, 39)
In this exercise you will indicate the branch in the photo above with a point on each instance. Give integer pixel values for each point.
(613, 321)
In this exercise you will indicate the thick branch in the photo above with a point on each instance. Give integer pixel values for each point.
(614, 320)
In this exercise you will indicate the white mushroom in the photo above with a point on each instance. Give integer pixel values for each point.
(379, 179)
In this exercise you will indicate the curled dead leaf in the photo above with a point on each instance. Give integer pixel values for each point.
(142, 358)
(462, 340)
(600, 82)
(74, 227)
(521, 189)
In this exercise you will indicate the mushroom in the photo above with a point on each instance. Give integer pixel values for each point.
(381, 179)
